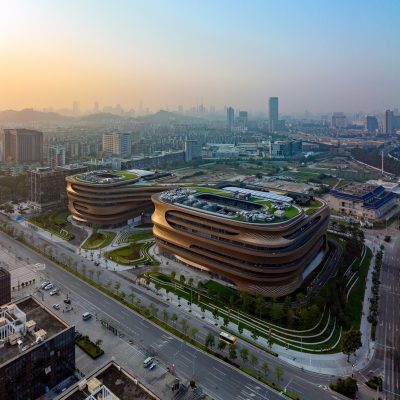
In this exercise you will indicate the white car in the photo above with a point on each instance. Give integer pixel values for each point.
(56, 306)
(49, 286)
(53, 292)
(44, 284)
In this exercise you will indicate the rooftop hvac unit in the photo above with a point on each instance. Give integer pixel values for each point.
(82, 384)
(93, 385)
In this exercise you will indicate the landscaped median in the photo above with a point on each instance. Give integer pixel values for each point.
(147, 314)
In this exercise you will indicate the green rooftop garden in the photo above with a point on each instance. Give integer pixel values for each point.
(92, 176)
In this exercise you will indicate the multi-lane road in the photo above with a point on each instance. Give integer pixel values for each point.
(386, 359)
(219, 379)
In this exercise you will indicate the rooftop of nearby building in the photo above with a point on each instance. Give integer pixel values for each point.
(357, 188)
(23, 325)
(239, 204)
(102, 177)
(110, 380)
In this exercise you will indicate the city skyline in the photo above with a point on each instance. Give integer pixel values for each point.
(214, 53)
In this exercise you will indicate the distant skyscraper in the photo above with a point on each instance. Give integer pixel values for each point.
(192, 149)
(242, 119)
(230, 117)
(273, 113)
(76, 108)
(372, 124)
(117, 143)
(388, 122)
(22, 145)
(339, 120)
(56, 156)
(96, 107)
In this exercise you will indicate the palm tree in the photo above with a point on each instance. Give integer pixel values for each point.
(117, 286)
(165, 315)
(185, 325)
(98, 272)
(132, 296)
(174, 318)
(193, 332)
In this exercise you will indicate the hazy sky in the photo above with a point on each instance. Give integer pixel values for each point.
(315, 55)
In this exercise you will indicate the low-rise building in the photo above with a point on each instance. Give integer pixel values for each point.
(37, 350)
(109, 382)
(361, 201)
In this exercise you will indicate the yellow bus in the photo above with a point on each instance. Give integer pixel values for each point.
(226, 337)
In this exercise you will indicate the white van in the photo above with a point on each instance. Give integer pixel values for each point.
(86, 316)
(147, 361)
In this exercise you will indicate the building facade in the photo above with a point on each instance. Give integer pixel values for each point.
(109, 198)
(285, 148)
(388, 122)
(372, 124)
(5, 286)
(56, 156)
(230, 117)
(268, 250)
(22, 145)
(361, 201)
(192, 150)
(273, 113)
(117, 143)
(47, 188)
(38, 350)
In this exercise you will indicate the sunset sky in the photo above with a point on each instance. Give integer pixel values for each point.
(318, 55)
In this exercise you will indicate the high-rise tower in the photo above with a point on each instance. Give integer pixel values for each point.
(230, 117)
(273, 113)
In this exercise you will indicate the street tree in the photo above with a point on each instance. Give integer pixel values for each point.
(122, 294)
(265, 368)
(232, 352)
(193, 332)
(221, 345)
(279, 373)
(182, 279)
(244, 354)
(209, 340)
(117, 286)
(253, 359)
(174, 318)
(351, 342)
(184, 325)
(165, 315)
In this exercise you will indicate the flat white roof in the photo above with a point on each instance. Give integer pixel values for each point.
(258, 193)
(141, 172)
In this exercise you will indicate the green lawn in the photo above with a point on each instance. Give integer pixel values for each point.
(356, 297)
(89, 347)
(132, 254)
(54, 222)
(98, 240)
(137, 236)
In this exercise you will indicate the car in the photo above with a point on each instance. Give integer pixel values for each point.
(53, 292)
(56, 306)
(86, 316)
(152, 366)
(44, 284)
(49, 286)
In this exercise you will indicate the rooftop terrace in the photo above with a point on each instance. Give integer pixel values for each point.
(102, 177)
(111, 382)
(22, 323)
(241, 205)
